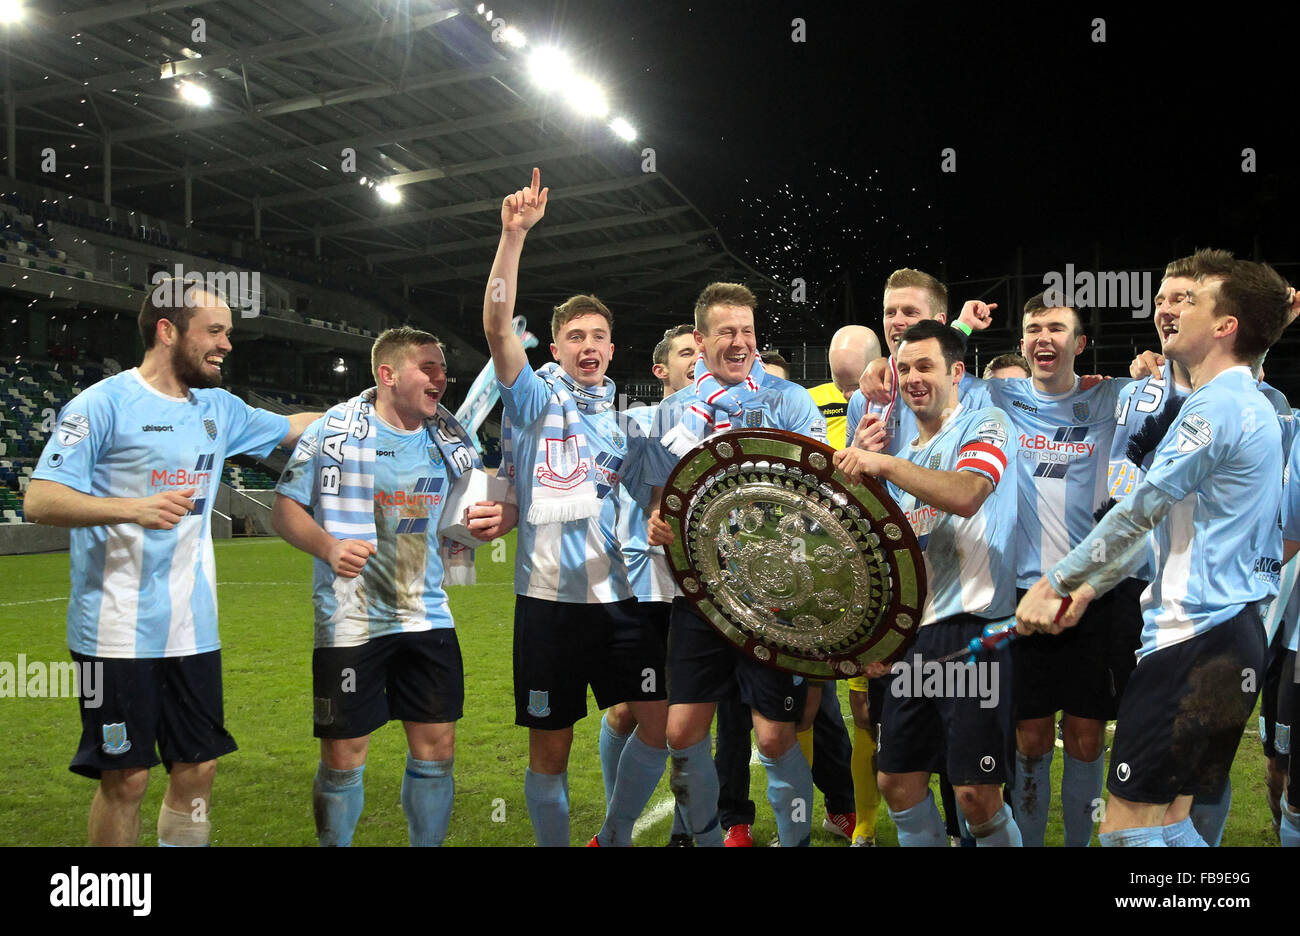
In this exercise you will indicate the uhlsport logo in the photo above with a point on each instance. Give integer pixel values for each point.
(180, 288)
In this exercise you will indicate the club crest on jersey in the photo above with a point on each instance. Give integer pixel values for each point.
(620, 443)
(539, 703)
(72, 429)
(435, 456)
(564, 469)
(1193, 432)
(210, 427)
(935, 461)
(753, 419)
(115, 739)
(1081, 411)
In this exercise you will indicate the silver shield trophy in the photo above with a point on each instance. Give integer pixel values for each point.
(792, 564)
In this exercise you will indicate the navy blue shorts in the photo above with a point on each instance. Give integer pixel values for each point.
(415, 677)
(561, 648)
(952, 718)
(1066, 672)
(1182, 716)
(704, 667)
(173, 704)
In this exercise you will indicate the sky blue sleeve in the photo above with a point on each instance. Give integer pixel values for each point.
(1291, 499)
(251, 430)
(82, 435)
(857, 409)
(974, 393)
(802, 415)
(526, 400)
(298, 480)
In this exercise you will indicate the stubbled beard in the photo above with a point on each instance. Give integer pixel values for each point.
(190, 372)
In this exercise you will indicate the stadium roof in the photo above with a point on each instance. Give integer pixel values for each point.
(422, 93)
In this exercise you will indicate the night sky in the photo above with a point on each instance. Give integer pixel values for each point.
(822, 159)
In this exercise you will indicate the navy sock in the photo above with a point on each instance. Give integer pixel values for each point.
(547, 796)
(694, 782)
(1081, 785)
(338, 797)
(790, 791)
(1032, 796)
(427, 792)
(639, 772)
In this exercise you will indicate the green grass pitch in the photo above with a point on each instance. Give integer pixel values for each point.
(263, 791)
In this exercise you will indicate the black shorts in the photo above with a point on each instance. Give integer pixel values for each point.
(415, 677)
(173, 703)
(1122, 610)
(1067, 672)
(1181, 719)
(560, 648)
(952, 718)
(704, 667)
(1270, 703)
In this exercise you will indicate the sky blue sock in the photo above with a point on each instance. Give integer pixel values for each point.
(679, 824)
(639, 771)
(547, 796)
(1290, 828)
(1183, 835)
(921, 826)
(338, 797)
(1032, 796)
(1081, 785)
(999, 832)
(611, 749)
(1210, 815)
(1145, 837)
(790, 791)
(694, 782)
(427, 790)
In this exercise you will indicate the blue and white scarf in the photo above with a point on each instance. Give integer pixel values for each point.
(346, 457)
(713, 409)
(563, 486)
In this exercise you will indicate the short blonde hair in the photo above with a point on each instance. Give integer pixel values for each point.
(392, 346)
(915, 279)
(721, 294)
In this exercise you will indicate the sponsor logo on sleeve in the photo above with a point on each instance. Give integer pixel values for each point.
(992, 432)
(72, 429)
(1193, 433)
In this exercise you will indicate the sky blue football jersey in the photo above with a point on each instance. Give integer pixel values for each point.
(969, 561)
(1219, 546)
(578, 561)
(400, 588)
(137, 593)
